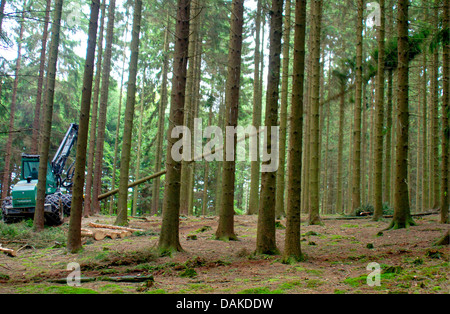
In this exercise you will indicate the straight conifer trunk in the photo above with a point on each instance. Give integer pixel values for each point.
(265, 240)
(37, 110)
(225, 230)
(161, 121)
(279, 210)
(48, 115)
(94, 114)
(255, 166)
(169, 237)
(402, 214)
(12, 112)
(314, 169)
(76, 212)
(102, 110)
(122, 207)
(292, 246)
(445, 118)
(379, 117)
(356, 178)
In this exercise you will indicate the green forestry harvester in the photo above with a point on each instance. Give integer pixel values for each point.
(22, 202)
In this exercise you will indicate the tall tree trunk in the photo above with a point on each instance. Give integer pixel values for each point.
(139, 145)
(187, 166)
(265, 239)
(356, 179)
(225, 230)
(48, 115)
(425, 169)
(364, 146)
(122, 207)
(314, 169)
(169, 237)
(339, 200)
(12, 111)
(292, 246)
(445, 118)
(206, 171)
(434, 118)
(255, 166)
(93, 127)
(103, 106)
(37, 110)
(76, 212)
(387, 161)
(119, 116)
(161, 119)
(402, 214)
(279, 210)
(379, 118)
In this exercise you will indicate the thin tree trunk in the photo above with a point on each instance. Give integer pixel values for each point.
(292, 248)
(434, 118)
(379, 117)
(402, 215)
(48, 115)
(122, 206)
(206, 172)
(12, 112)
(119, 117)
(161, 119)
(356, 179)
(37, 110)
(187, 166)
(445, 118)
(139, 144)
(76, 212)
(314, 169)
(257, 98)
(225, 230)
(265, 238)
(387, 166)
(339, 201)
(169, 237)
(103, 106)
(93, 127)
(279, 210)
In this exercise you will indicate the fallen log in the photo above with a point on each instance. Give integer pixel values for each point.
(9, 252)
(102, 226)
(98, 235)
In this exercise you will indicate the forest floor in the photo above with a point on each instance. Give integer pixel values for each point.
(338, 254)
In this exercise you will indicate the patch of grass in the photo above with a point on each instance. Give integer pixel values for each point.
(188, 272)
(50, 237)
(349, 226)
(63, 289)
(203, 229)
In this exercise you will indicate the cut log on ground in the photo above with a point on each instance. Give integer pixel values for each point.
(9, 252)
(100, 233)
(95, 225)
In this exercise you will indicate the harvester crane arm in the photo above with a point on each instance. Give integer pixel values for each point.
(63, 152)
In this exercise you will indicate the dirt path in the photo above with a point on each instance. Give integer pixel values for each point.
(338, 254)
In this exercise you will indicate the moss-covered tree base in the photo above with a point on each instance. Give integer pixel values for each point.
(395, 224)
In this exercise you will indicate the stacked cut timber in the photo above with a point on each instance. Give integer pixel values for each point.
(100, 231)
